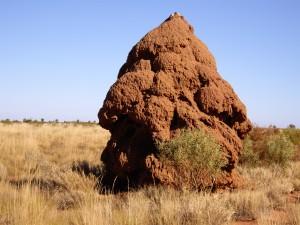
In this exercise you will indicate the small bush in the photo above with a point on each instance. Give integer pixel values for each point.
(280, 150)
(248, 156)
(293, 134)
(259, 137)
(268, 146)
(193, 149)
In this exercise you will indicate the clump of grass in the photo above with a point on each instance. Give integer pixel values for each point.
(291, 215)
(193, 149)
(295, 214)
(248, 205)
(3, 172)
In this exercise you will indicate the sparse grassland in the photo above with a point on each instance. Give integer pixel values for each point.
(38, 186)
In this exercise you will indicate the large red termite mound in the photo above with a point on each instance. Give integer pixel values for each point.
(168, 83)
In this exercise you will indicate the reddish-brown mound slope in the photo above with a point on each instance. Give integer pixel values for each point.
(169, 82)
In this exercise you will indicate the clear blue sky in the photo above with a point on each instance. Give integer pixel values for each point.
(58, 58)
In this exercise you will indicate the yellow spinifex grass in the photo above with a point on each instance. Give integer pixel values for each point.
(24, 145)
(42, 155)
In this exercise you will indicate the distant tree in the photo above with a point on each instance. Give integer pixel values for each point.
(77, 121)
(56, 121)
(292, 126)
(42, 120)
(5, 121)
(27, 120)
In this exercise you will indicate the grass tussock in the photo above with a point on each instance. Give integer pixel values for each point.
(25, 146)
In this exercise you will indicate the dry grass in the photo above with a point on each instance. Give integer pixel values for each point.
(24, 146)
(38, 187)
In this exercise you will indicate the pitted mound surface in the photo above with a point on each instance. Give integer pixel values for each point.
(169, 82)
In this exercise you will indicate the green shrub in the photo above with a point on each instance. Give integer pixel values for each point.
(248, 156)
(293, 134)
(280, 149)
(193, 149)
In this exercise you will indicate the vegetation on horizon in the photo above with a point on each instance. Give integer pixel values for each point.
(43, 121)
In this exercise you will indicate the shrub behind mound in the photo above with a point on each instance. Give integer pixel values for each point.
(267, 147)
(293, 134)
(248, 156)
(280, 150)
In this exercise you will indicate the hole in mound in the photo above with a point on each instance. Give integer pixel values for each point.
(177, 122)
